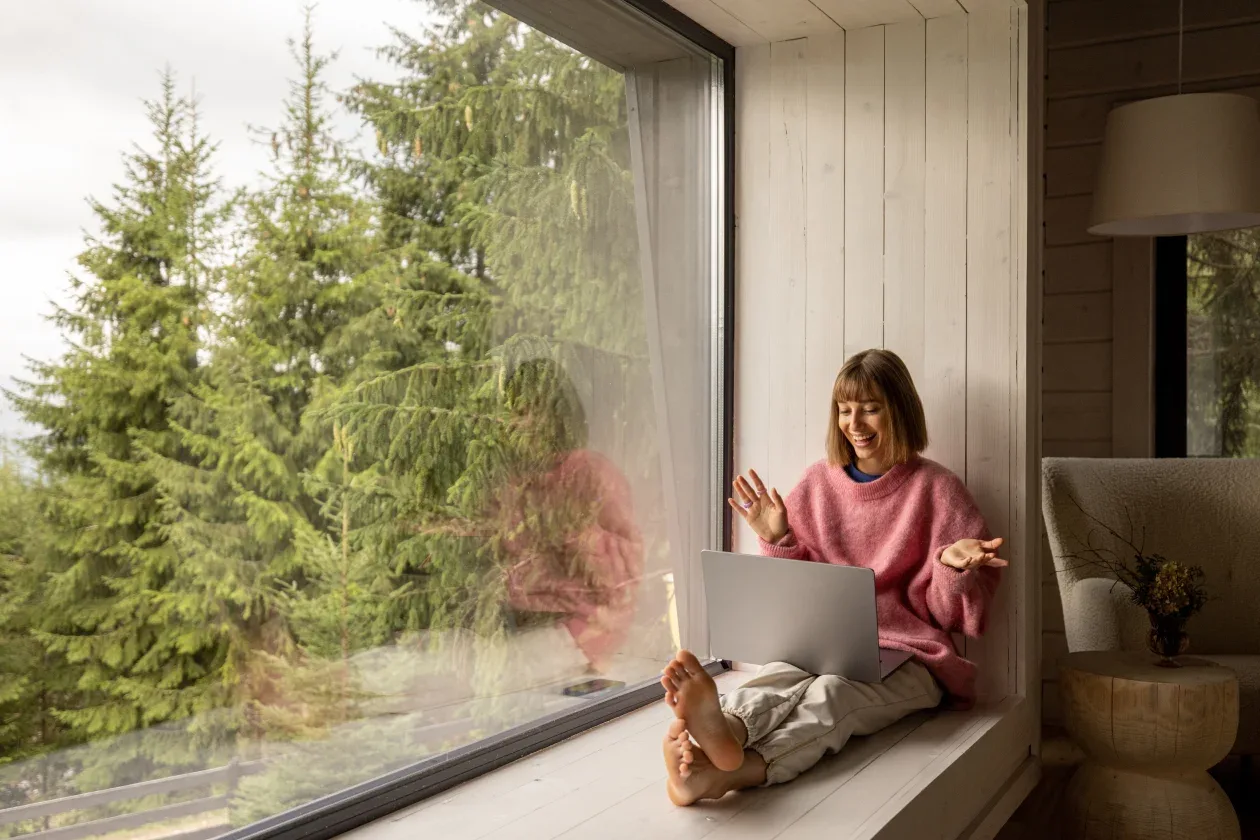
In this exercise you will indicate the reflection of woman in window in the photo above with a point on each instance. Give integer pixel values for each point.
(574, 553)
(874, 503)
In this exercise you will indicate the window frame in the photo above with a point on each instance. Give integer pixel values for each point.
(370, 800)
(1169, 346)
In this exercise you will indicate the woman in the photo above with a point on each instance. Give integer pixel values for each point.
(873, 502)
(573, 550)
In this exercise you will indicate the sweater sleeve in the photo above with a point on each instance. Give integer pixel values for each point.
(957, 601)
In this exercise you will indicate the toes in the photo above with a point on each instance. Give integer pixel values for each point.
(675, 672)
(684, 770)
(677, 729)
(669, 683)
(670, 699)
(689, 662)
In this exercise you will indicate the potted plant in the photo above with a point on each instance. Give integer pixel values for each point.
(1170, 591)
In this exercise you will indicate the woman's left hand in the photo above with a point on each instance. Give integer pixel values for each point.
(969, 554)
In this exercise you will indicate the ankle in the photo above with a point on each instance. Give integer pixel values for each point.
(754, 770)
(739, 730)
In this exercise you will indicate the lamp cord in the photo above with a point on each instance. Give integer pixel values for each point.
(1181, 28)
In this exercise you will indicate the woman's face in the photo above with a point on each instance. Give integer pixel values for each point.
(866, 425)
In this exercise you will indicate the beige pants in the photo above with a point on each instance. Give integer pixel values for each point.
(794, 718)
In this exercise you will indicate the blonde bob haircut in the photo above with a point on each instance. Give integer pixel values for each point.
(878, 375)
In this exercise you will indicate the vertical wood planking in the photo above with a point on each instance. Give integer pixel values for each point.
(880, 203)
(786, 306)
(754, 281)
(990, 334)
(864, 190)
(824, 236)
(1024, 673)
(904, 191)
(943, 385)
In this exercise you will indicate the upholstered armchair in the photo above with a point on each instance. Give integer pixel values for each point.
(1204, 512)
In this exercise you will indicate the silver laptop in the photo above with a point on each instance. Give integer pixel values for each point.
(818, 617)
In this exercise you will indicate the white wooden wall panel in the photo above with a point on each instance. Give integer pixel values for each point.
(990, 327)
(864, 190)
(780, 20)
(787, 454)
(1027, 79)
(825, 234)
(880, 202)
(745, 23)
(937, 8)
(905, 163)
(858, 14)
(720, 21)
(943, 385)
(754, 267)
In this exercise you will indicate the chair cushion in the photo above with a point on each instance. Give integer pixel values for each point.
(1248, 670)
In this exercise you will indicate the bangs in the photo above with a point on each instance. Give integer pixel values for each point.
(856, 385)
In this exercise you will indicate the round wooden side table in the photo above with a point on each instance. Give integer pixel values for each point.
(1149, 735)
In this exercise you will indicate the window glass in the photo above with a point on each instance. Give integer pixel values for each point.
(361, 395)
(1223, 344)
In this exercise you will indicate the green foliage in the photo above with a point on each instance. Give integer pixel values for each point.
(305, 422)
(248, 516)
(519, 146)
(1224, 344)
(135, 331)
(32, 680)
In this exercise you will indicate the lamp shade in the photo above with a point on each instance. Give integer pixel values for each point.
(1179, 164)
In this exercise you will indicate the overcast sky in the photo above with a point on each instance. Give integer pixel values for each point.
(72, 77)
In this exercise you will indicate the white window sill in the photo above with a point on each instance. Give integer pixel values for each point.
(929, 776)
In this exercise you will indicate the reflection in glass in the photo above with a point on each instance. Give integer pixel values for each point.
(381, 450)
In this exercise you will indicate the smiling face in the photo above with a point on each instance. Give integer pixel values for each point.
(865, 424)
(877, 418)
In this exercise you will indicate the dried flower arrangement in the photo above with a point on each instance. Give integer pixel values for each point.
(1170, 591)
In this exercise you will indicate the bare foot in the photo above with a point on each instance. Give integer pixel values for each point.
(692, 694)
(692, 776)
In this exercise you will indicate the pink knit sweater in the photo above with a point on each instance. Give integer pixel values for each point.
(596, 596)
(898, 526)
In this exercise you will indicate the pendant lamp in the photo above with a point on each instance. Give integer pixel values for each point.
(1180, 164)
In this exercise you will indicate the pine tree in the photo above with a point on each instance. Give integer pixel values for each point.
(250, 519)
(135, 330)
(33, 682)
(1224, 343)
(518, 147)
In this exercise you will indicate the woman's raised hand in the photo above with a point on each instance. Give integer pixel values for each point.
(763, 510)
(968, 554)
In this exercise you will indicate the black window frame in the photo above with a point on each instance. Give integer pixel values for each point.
(1169, 346)
(366, 802)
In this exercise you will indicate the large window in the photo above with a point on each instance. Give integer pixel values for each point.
(1208, 345)
(365, 400)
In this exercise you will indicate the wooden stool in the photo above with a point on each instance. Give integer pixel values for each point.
(1149, 735)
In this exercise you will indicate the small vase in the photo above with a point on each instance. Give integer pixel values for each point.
(1168, 639)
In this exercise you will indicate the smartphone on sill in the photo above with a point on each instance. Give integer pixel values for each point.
(589, 687)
